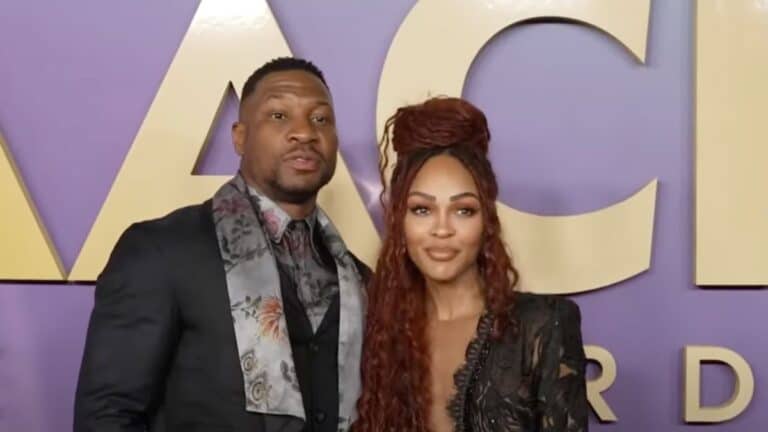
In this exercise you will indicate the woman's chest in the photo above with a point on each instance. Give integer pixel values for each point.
(448, 345)
(502, 394)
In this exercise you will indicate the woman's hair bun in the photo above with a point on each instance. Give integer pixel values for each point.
(439, 122)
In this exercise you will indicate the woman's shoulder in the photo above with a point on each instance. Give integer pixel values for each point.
(537, 310)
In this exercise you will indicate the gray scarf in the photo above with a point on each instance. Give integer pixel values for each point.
(253, 284)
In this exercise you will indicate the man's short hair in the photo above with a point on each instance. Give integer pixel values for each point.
(278, 65)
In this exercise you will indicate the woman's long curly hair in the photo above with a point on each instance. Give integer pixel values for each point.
(395, 366)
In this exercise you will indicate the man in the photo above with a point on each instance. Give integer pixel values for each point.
(243, 313)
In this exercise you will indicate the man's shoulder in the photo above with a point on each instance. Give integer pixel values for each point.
(362, 268)
(185, 223)
(179, 220)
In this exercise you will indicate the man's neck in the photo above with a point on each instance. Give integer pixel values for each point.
(297, 211)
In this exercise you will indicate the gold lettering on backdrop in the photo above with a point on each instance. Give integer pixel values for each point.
(26, 251)
(743, 389)
(731, 142)
(156, 176)
(597, 386)
(431, 54)
(226, 41)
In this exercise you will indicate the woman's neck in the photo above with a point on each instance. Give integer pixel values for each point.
(461, 298)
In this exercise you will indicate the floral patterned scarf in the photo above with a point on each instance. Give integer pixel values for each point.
(253, 284)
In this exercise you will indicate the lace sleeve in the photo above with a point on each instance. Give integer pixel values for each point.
(562, 387)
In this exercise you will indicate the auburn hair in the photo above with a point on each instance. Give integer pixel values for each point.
(396, 393)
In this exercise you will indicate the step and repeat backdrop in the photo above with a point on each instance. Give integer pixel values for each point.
(629, 137)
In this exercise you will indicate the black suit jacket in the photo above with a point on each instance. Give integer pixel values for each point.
(160, 353)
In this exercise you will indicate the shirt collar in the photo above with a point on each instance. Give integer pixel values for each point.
(276, 220)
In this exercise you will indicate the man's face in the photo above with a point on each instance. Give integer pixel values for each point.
(286, 136)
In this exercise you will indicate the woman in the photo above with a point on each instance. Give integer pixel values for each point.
(449, 344)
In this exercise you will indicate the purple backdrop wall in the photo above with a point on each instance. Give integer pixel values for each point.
(577, 125)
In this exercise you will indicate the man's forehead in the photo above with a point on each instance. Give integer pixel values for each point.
(292, 82)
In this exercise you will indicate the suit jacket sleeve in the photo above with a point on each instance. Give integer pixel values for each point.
(562, 387)
(131, 337)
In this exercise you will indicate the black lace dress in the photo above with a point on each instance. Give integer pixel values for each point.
(532, 379)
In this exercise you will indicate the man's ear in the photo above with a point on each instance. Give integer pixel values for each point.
(238, 137)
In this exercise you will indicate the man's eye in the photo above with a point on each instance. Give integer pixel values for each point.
(320, 119)
(277, 115)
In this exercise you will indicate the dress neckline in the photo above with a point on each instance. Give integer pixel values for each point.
(466, 374)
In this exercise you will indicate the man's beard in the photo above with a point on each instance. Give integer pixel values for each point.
(298, 194)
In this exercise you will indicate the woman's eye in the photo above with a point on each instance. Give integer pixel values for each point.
(419, 210)
(277, 115)
(467, 211)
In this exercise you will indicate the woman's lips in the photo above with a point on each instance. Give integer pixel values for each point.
(441, 254)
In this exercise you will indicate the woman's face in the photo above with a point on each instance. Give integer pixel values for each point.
(444, 221)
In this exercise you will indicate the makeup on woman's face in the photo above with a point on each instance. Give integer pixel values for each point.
(443, 221)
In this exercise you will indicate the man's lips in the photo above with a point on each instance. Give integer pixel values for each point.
(303, 161)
